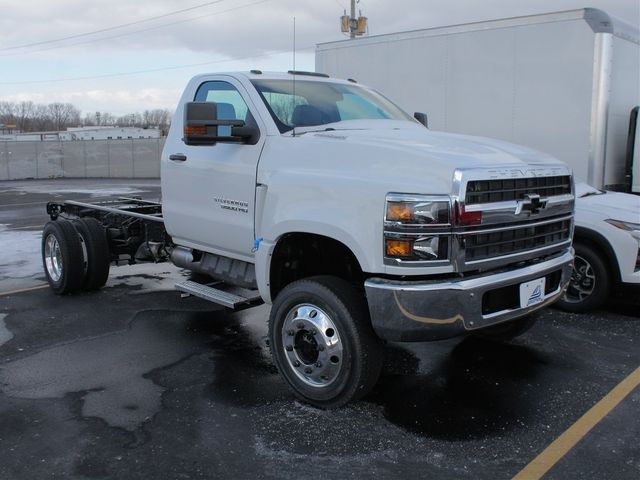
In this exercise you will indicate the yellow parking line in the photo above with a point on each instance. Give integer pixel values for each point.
(565, 442)
(22, 290)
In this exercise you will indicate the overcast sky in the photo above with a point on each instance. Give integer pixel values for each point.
(221, 36)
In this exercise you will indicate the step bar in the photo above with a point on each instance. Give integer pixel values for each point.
(232, 297)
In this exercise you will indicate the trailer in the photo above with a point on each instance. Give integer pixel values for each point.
(565, 83)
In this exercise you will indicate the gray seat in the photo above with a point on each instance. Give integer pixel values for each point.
(306, 116)
(226, 111)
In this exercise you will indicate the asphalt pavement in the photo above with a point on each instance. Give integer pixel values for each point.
(134, 381)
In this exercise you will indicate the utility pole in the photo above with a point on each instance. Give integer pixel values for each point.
(354, 26)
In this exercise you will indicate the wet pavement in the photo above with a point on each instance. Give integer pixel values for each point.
(134, 381)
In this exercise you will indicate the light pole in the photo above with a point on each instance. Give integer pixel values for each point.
(354, 26)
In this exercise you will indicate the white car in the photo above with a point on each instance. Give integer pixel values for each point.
(607, 245)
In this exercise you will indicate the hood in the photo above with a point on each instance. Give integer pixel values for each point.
(389, 156)
(614, 205)
(407, 140)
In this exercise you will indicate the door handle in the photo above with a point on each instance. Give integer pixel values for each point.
(178, 157)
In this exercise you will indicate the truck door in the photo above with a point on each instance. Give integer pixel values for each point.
(209, 196)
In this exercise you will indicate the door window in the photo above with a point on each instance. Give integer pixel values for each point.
(231, 105)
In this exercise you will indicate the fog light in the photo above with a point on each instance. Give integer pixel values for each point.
(398, 248)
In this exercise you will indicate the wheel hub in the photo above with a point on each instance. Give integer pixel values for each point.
(583, 281)
(312, 345)
(53, 258)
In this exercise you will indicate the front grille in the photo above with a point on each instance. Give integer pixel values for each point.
(520, 238)
(489, 191)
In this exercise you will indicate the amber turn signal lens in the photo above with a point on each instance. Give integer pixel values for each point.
(399, 212)
(195, 130)
(398, 248)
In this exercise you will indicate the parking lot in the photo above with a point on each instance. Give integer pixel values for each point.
(134, 381)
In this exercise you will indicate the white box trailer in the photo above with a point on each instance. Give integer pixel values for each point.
(564, 83)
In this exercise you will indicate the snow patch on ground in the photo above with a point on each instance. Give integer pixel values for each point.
(19, 254)
(149, 277)
(5, 334)
(110, 369)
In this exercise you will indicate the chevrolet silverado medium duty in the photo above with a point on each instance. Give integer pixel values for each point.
(355, 223)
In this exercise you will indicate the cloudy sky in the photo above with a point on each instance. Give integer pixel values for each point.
(142, 53)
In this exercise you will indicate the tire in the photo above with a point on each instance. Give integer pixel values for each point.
(62, 257)
(590, 281)
(98, 259)
(506, 331)
(323, 343)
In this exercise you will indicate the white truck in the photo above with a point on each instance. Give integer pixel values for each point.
(565, 83)
(356, 223)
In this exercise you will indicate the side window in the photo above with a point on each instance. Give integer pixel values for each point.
(231, 106)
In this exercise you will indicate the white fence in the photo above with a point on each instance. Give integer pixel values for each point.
(127, 158)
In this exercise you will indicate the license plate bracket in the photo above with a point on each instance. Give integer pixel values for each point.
(532, 292)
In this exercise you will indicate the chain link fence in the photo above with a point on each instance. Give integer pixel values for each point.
(127, 158)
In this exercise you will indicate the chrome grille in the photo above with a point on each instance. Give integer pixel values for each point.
(498, 242)
(509, 189)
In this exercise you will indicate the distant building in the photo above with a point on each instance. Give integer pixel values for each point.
(110, 133)
(85, 133)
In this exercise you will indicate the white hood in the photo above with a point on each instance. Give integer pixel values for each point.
(463, 151)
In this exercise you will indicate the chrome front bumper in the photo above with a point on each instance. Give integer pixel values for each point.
(431, 310)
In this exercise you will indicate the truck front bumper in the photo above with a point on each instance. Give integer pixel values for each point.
(408, 311)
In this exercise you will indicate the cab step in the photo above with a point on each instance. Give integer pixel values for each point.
(223, 294)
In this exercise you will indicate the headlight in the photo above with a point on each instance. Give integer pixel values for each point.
(634, 231)
(418, 209)
(417, 228)
(632, 228)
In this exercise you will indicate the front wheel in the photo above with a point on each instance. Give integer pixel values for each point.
(590, 281)
(322, 341)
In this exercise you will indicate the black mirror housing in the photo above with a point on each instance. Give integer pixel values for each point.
(422, 118)
(202, 126)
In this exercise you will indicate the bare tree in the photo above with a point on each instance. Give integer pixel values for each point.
(24, 112)
(41, 118)
(29, 116)
(63, 115)
(158, 118)
(7, 113)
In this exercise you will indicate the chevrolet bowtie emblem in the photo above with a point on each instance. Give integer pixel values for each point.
(530, 203)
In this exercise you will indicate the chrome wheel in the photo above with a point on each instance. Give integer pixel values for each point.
(312, 345)
(583, 281)
(53, 258)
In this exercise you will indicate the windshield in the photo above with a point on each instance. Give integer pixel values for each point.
(320, 103)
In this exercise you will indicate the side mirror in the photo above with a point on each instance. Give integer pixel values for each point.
(203, 127)
(422, 118)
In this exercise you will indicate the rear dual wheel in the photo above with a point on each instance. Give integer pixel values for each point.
(96, 252)
(75, 255)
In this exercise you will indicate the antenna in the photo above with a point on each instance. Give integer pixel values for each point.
(293, 97)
